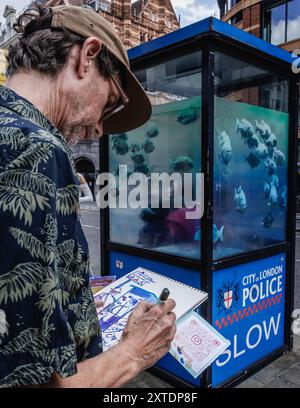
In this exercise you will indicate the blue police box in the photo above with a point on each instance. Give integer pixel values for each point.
(225, 121)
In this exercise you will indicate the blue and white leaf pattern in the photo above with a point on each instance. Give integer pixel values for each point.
(51, 320)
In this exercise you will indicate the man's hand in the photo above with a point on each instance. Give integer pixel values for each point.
(146, 338)
(149, 332)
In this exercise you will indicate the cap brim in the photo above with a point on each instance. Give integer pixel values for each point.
(137, 112)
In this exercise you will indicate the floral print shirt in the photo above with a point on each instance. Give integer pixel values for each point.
(48, 319)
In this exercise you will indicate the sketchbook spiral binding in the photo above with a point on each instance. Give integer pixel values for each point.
(140, 269)
(186, 297)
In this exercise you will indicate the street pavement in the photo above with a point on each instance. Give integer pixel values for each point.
(90, 221)
(283, 373)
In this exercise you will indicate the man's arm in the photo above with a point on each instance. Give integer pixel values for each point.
(146, 338)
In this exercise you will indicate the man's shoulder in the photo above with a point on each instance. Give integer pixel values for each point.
(13, 125)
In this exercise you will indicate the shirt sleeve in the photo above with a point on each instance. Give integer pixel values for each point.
(48, 320)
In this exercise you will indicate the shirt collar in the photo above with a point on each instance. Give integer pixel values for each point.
(22, 107)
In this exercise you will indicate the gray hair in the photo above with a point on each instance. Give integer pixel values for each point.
(46, 49)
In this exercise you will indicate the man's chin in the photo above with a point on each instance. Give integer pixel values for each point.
(80, 135)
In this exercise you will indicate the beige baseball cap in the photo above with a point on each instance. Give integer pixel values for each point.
(88, 23)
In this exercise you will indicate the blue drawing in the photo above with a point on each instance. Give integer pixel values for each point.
(121, 307)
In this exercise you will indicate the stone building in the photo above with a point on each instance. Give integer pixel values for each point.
(136, 23)
(7, 33)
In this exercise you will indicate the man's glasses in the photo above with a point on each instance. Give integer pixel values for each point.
(123, 102)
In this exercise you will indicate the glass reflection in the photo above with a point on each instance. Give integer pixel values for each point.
(293, 22)
(275, 24)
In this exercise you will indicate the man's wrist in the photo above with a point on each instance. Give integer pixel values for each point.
(134, 363)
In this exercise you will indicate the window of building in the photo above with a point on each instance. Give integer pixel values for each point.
(293, 20)
(94, 4)
(234, 2)
(104, 7)
(142, 37)
(237, 18)
(281, 22)
(275, 24)
(153, 17)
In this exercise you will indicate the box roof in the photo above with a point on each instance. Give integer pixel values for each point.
(212, 25)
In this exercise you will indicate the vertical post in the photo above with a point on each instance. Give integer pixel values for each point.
(291, 208)
(208, 61)
(104, 213)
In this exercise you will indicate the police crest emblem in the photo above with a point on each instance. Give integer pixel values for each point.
(227, 296)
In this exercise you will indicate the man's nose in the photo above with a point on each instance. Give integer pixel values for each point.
(99, 129)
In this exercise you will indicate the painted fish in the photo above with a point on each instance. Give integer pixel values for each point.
(244, 128)
(152, 131)
(270, 151)
(135, 147)
(273, 198)
(268, 220)
(267, 189)
(197, 236)
(252, 142)
(225, 147)
(274, 180)
(272, 141)
(261, 151)
(270, 166)
(187, 117)
(148, 146)
(253, 160)
(138, 158)
(121, 147)
(218, 235)
(240, 200)
(182, 163)
(263, 129)
(283, 197)
(142, 168)
(279, 157)
(120, 136)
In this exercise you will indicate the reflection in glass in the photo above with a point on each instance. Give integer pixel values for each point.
(251, 153)
(275, 24)
(169, 143)
(293, 22)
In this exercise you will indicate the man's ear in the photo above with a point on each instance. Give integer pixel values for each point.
(88, 54)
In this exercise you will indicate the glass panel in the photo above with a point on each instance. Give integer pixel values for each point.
(251, 153)
(169, 143)
(275, 24)
(293, 23)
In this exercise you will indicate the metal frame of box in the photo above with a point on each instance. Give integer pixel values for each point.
(211, 35)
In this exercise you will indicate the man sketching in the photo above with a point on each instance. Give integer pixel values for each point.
(69, 78)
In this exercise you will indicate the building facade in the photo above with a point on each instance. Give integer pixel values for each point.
(276, 21)
(136, 23)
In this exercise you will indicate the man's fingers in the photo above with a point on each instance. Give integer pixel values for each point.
(140, 309)
(168, 305)
(162, 309)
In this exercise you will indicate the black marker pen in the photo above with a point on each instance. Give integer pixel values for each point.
(163, 296)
